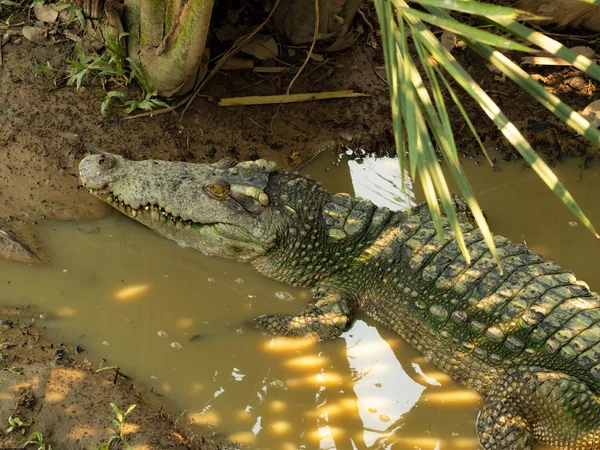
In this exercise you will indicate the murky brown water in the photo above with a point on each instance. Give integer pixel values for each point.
(175, 320)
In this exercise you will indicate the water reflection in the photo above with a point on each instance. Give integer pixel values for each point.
(379, 180)
(383, 389)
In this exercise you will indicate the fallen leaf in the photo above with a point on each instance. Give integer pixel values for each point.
(585, 51)
(262, 47)
(46, 12)
(34, 34)
(238, 64)
(227, 32)
(316, 57)
(448, 40)
(592, 113)
(492, 68)
(547, 59)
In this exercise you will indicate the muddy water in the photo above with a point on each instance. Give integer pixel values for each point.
(177, 322)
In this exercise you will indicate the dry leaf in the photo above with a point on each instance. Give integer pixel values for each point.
(45, 12)
(448, 40)
(592, 113)
(262, 47)
(227, 32)
(492, 68)
(585, 51)
(238, 64)
(34, 34)
(546, 59)
(316, 57)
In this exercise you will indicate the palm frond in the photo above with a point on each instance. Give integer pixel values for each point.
(419, 113)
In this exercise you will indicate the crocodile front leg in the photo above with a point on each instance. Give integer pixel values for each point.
(534, 404)
(328, 316)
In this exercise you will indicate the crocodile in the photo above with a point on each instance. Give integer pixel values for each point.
(526, 338)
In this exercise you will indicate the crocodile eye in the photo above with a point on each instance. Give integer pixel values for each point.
(106, 162)
(218, 190)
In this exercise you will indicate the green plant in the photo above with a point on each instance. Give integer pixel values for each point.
(16, 424)
(107, 67)
(419, 112)
(112, 67)
(119, 423)
(36, 438)
(120, 420)
(73, 11)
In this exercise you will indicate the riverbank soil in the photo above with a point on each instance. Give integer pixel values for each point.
(44, 390)
(45, 126)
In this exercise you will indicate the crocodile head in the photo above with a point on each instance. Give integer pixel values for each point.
(221, 209)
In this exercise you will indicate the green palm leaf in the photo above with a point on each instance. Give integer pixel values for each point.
(420, 112)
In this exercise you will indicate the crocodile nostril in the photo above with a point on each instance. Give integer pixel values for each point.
(106, 162)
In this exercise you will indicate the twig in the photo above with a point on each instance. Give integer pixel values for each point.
(378, 74)
(12, 25)
(317, 67)
(288, 98)
(312, 46)
(259, 125)
(117, 370)
(364, 18)
(270, 69)
(103, 369)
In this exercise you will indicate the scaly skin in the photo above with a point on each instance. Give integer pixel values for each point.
(527, 340)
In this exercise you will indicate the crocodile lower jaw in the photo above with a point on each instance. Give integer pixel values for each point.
(154, 212)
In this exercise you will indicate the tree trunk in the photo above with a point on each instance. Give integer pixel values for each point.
(168, 39)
